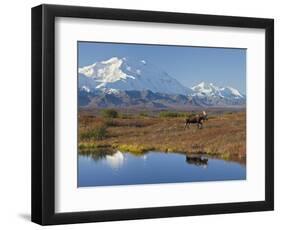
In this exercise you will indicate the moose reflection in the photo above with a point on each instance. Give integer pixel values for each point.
(197, 160)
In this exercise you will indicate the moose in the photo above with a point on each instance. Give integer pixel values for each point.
(197, 119)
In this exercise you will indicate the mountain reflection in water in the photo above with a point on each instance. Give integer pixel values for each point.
(103, 168)
(116, 160)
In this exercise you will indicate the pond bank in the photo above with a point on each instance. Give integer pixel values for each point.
(97, 151)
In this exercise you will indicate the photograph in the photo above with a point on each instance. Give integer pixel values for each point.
(140, 114)
(150, 114)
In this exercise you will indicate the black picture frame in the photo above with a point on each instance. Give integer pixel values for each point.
(43, 114)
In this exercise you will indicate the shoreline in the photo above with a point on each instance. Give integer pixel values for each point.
(110, 150)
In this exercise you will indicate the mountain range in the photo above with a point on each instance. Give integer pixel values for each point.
(123, 82)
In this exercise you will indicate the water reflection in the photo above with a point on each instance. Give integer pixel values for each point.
(197, 160)
(97, 154)
(102, 168)
(116, 160)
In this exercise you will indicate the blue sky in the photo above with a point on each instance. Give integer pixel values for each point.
(189, 65)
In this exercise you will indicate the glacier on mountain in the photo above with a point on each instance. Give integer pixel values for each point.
(126, 74)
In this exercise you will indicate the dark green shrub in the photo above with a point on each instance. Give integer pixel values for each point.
(97, 133)
(172, 114)
(143, 114)
(109, 113)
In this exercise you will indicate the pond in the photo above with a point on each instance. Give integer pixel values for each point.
(154, 167)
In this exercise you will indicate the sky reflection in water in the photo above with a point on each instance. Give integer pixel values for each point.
(154, 167)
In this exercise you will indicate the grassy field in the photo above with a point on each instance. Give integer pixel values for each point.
(222, 136)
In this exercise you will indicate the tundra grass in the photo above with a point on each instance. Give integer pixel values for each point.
(223, 136)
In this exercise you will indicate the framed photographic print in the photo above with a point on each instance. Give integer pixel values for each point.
(142, 114)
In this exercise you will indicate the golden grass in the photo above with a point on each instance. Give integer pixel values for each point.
(222, 136)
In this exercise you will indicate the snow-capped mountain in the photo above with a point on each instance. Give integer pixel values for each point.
(120, 82)
(123, 74)
(207, 94)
